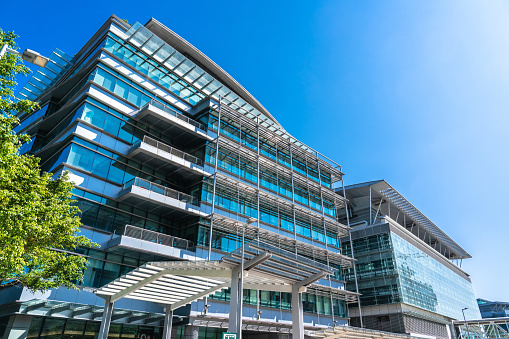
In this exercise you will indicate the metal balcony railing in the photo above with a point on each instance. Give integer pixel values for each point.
(176, 114)
(161, 190)
(173, 151)
(155, 237)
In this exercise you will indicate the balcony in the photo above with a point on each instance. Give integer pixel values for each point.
(132, 238)
(158, 155)
(158, 199)
(169, 121)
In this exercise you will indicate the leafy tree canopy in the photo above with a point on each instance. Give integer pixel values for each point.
(39, 224)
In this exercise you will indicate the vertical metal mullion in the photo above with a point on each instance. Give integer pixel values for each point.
(258, 198)
(369, 210)
(351, 248)
(325, 229)
(215, 179)
(293, 194)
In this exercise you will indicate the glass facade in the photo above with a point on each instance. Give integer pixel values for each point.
(392, 270)
(57, 328)
(418, 274)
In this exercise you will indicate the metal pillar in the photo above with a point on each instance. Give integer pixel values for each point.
(234, 301)
(351, 246)
(168, 321)
(215, 179)
(297, 314)
(241, 284)
(106, 319)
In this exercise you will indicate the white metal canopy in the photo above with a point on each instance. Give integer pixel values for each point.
(261, 266)
(178, 283)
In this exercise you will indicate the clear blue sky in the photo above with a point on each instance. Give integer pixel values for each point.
(413, 92)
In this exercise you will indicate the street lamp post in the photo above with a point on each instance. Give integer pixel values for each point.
(241, 280)
(28, 55)
(465, 319)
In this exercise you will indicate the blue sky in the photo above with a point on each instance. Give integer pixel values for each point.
(413, 92)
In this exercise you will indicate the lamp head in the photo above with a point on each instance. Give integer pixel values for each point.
(34, 58)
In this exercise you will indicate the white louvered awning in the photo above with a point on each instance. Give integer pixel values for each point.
(178, 283)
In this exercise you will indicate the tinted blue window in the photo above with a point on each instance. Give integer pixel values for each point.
(81, 158)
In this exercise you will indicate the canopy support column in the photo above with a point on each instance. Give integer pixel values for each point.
(106, 319)
(234, 301)
(297, 313)
(168, 321)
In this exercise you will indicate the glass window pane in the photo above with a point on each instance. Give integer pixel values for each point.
(112, 124)
(109, 81)
(81, 157)
(91, 330)
(73, 329)
(52, 328)
(164, 53)
(35, 327)
(121, 89)
(93, 115)
(101, 165)
(134, 96)
(153, 44)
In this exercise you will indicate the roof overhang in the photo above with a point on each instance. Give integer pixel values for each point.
(189, 51)
(389, 193)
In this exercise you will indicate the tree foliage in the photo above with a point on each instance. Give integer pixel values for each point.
(39, 224)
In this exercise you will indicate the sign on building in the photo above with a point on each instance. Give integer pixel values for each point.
(229, 335)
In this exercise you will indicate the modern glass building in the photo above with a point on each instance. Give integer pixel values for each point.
(408, 269)
(169, 154)
(493, 309)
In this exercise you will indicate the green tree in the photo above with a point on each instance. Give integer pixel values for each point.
(39, 224)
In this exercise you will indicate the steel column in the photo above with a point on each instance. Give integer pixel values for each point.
(241, 284)
(297, 314)
(106, 319)
(234, 300)
(168, 321)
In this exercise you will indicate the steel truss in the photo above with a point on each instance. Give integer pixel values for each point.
(483, 328)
